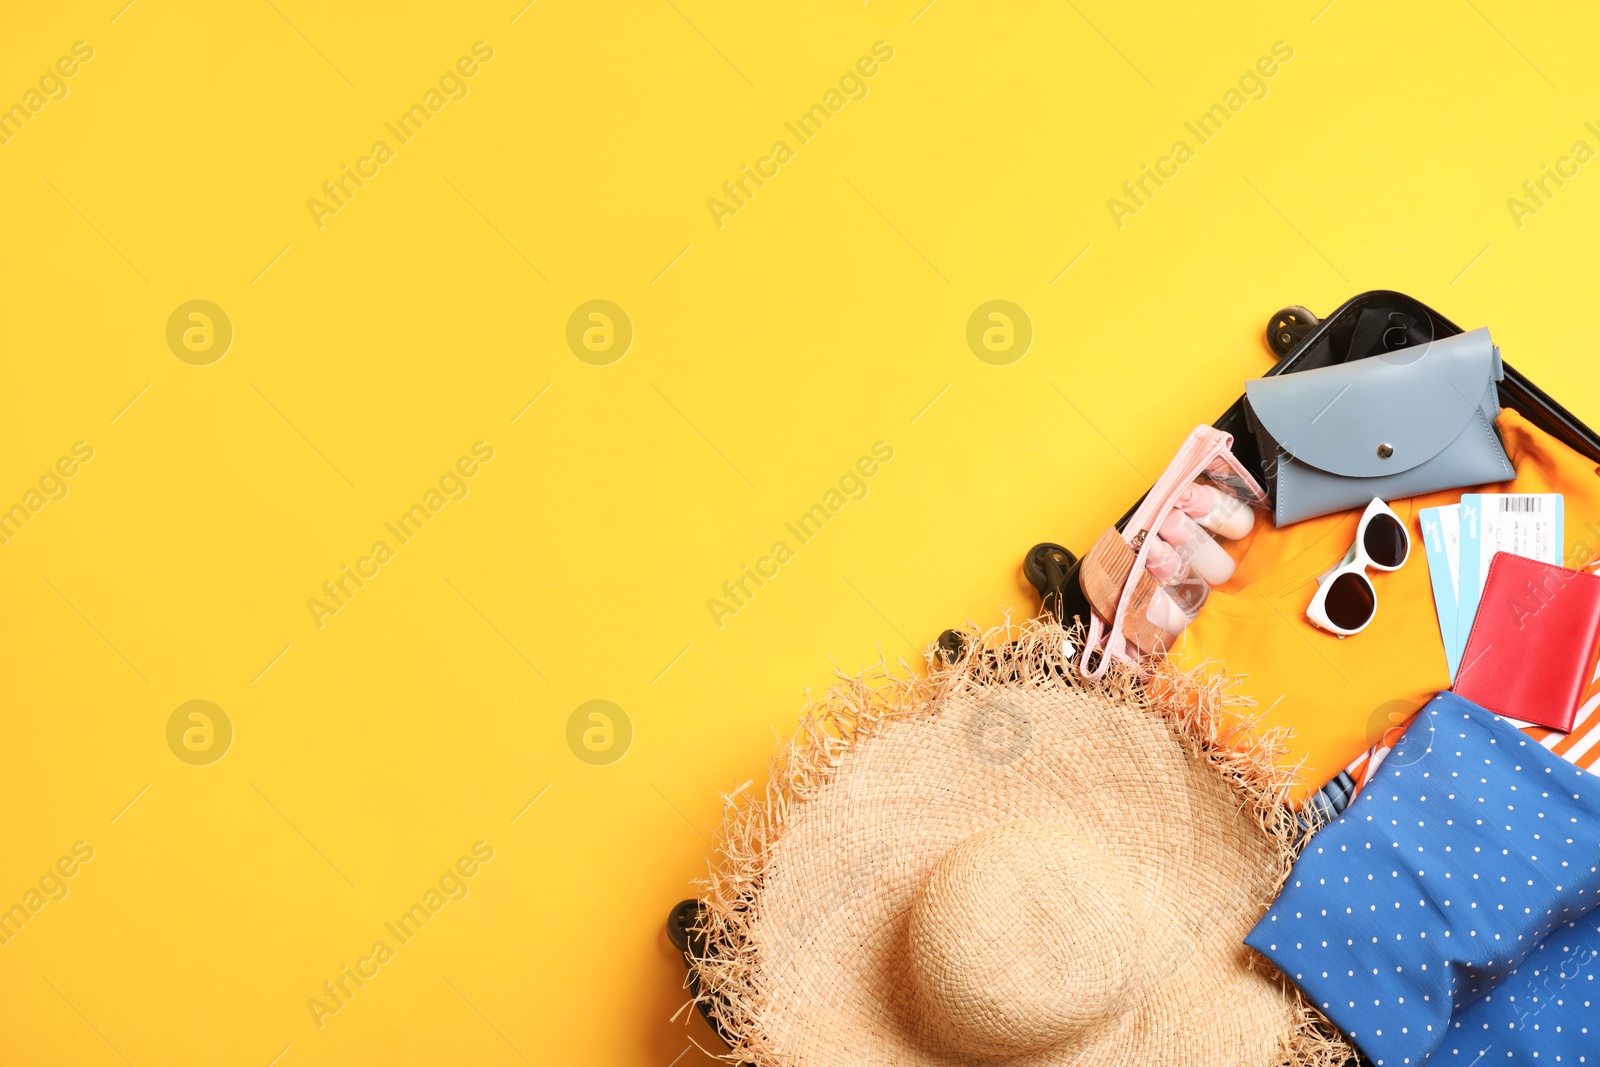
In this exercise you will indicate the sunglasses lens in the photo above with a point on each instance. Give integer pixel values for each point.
(1350, 601)
(1386, 541)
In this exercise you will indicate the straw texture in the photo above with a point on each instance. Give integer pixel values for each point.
(1001, 863)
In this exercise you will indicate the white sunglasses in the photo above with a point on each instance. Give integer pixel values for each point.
(1345, 601)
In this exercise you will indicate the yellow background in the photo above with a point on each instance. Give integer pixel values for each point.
(768, 355)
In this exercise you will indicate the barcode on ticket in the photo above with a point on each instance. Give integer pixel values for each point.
(1521, 504)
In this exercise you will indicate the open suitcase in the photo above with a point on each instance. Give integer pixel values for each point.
(1369, 324)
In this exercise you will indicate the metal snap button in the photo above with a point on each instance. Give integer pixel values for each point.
(1385, 451)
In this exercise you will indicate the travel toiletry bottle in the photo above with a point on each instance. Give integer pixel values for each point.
(1181, 595)
(1165, 613)
(1222, 513)
(1204, 556)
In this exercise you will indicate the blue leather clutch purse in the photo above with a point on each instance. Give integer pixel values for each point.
(1415, 420)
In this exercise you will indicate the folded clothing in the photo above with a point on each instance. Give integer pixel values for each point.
(1549, 1005)
(1470, 845)
(1339, 696)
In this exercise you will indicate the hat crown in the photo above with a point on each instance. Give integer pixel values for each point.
(1023, 938)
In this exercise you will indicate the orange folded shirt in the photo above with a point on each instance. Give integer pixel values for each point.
(1340, 696)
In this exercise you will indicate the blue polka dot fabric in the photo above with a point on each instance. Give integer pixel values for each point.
(1426, 903)
(1546, 1011)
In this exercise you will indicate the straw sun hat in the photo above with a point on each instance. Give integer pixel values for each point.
(1003, 864)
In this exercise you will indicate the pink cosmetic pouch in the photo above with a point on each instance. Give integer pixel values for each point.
(1114, 575)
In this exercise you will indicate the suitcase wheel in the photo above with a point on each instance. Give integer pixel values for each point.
(952, 646)
(1046, 566)
(1288, 328)
(680, 923)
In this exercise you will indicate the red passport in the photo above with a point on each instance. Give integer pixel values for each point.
(1531, 651)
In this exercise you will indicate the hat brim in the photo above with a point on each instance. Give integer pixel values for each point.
(810, 907)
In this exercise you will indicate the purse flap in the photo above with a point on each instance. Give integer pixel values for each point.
(1381, 415)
